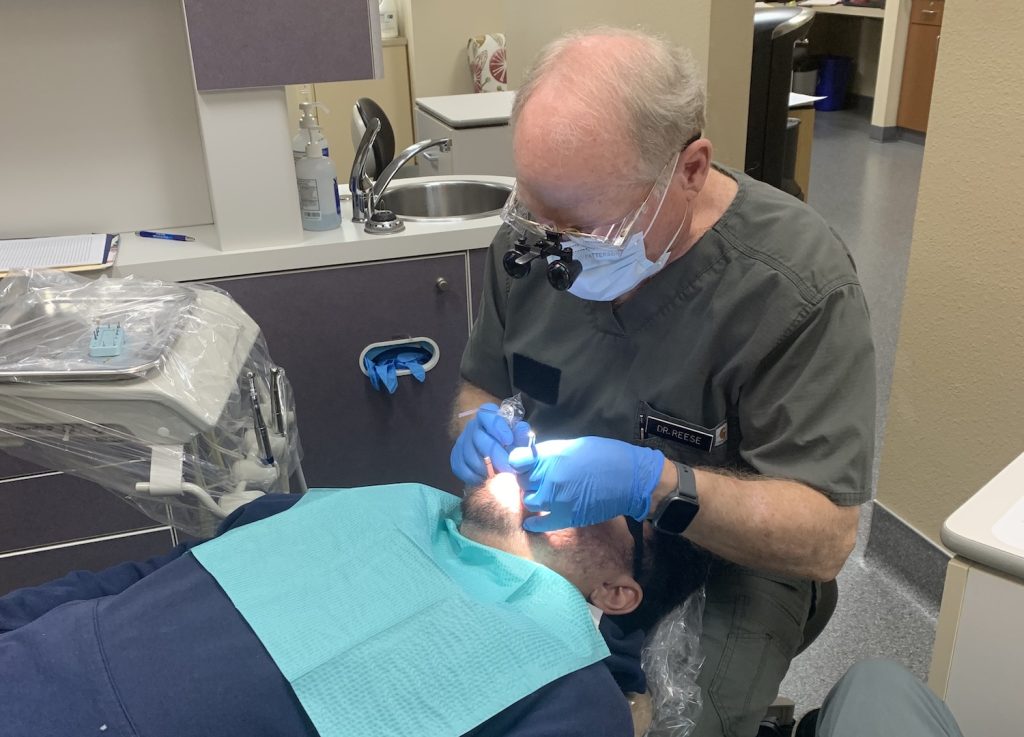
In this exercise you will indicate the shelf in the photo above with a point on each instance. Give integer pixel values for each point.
(878, 13)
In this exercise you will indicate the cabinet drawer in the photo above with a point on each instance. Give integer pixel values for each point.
(57, 508)
(927, 11)
(318, 322)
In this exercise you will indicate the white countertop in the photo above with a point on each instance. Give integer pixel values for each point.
(469, 111)
(989, 527)
(202, 259)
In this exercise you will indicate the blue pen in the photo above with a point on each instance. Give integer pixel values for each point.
(165, 236)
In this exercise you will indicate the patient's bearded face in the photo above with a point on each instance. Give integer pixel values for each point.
(496, 507)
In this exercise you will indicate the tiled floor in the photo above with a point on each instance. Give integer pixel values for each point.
(867, 191)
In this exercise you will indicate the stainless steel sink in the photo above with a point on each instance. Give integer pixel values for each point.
(451, 200)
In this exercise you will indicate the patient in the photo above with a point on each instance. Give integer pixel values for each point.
(157, 648)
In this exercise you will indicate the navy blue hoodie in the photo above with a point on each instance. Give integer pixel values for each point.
(155, 649)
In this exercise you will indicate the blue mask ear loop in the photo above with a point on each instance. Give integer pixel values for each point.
(636, 529)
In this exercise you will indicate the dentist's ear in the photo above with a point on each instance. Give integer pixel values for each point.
(694, 165)
(621, 595)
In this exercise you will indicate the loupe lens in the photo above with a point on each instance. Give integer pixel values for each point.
(562, 274)
(512, 266)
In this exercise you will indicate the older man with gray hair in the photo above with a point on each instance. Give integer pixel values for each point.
(692, 346)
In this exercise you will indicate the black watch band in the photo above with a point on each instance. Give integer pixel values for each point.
(677, 510)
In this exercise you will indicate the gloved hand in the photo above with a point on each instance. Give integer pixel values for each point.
(486, 435)
(586, 481)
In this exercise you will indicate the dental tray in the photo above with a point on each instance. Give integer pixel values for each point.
(48, 332)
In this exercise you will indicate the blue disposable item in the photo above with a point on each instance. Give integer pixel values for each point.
(382, 364)
(386, 620)
(833, 80)
(487, 435)
(584, 481)
(107, 341)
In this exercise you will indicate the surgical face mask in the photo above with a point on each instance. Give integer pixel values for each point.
(608, 273)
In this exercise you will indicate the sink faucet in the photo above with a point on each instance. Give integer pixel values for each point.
(365, 191)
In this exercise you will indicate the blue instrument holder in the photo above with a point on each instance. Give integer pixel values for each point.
(107, 341)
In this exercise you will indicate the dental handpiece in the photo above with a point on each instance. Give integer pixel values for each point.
(532, 442)
(259, 426)
(277, 399)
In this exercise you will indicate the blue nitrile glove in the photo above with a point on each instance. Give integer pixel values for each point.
(486, 435)
(384, 374)
(585, 481)
(383, 368)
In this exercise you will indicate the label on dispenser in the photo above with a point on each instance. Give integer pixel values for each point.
(309, 199)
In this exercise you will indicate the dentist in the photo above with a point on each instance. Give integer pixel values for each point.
(710, 369)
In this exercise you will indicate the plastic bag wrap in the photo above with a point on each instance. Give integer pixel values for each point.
(144, 388)
(512, 409)
(672, 659)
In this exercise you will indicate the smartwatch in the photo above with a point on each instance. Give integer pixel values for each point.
(676, 511)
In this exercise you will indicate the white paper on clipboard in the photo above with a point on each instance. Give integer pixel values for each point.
(80, 252)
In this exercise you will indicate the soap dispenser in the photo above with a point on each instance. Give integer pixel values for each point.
(309, 129)
(317, 180)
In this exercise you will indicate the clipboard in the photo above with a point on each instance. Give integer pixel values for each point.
(77, 253)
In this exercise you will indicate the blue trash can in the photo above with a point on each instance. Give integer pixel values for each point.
(833, 81)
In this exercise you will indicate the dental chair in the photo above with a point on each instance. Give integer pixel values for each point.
(383, 150)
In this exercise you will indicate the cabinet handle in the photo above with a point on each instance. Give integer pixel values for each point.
(925, 11)
(442, 284)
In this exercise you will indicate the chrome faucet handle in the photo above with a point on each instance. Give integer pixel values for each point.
(359, 184)
(385, 177)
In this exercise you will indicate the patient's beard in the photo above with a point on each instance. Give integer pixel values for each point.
(495, 507)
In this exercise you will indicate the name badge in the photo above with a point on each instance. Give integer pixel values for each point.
(677, 433)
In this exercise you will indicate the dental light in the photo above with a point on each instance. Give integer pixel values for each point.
(163, 393)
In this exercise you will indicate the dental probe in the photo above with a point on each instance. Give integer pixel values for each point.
(532, 442)
(471, 412)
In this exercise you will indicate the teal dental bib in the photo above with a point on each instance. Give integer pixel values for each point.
(385, 620)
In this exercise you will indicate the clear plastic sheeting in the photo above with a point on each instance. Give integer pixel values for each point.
(163, 393)
(672, 659)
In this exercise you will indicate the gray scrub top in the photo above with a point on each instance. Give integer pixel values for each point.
(752, 351)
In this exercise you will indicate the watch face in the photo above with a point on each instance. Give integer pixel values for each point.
(677, 515)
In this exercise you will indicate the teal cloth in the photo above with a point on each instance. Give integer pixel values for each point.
(386, 620)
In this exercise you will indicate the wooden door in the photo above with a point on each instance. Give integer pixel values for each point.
(918, 76)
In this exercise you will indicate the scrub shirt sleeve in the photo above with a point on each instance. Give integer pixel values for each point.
(483, 363)
(808, 413)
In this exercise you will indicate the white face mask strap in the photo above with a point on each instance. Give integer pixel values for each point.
(664, 195)
(679, 230)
